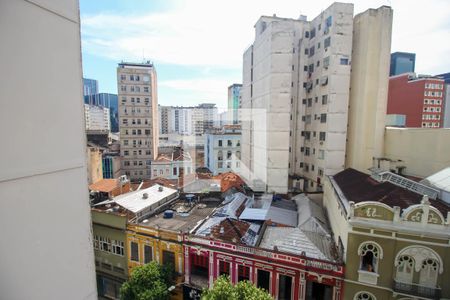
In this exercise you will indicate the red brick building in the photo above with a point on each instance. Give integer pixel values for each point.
(420, 99)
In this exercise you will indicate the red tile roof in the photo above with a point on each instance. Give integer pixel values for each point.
(105, 185)
(229, 180)
(358, 187)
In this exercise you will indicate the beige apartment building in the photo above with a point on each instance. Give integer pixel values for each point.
(297, 82)
(138, 118)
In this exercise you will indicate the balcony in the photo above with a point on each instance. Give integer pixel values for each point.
(417, 290)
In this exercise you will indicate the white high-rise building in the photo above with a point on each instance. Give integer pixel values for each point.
(97, 118)
(45, 218)
(295, 98)
(138, 115)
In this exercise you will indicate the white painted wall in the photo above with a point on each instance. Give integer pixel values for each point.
(45, 219)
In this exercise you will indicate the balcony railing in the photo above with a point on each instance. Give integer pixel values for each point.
(417, 290)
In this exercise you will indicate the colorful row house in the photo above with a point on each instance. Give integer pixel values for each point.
(284, 276)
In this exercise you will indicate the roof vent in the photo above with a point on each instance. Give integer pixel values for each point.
(144, 196)
(160, 189)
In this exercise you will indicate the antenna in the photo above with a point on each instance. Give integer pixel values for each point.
(143, 57)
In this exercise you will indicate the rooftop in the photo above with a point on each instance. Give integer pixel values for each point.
(185, 216)
(139, 200)
(358, 187)
(310, 238)
(105, 185)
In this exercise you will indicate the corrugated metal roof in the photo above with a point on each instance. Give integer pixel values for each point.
(135, 201)
(296, 241)
(440, 180)
(282, 216)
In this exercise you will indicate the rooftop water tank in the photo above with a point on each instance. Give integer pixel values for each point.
(168, 214)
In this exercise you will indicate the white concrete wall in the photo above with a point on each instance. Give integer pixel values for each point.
(424, 151)
(369, 81)
(45, 219)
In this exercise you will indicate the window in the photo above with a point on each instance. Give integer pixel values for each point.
(229, 143)
(123, 77)
(405, 269)
(309, 102)
(220, 165)
(219, 155)
(312, 33)
(224, 268)
(220, 143)
(148, 256)
(175, 171)
(146, 89)
(123, 88)
(238, 144)
(321, 154)
(344, 61)
(168, 258)
(285, 287)
(126, 153)
(327, 42)
(117, 247)
(322, 136)
(429, 272)
(238, 154)
(134, 251)
(229, 154)
(243, 273)
(328, 21)
(326, 62)
(306, 34)
(323, 118)
(311, 51)
(369, 254)
(364, 296)
(307, 151)
(263, 279)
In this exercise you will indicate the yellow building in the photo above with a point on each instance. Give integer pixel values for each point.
(150, 243)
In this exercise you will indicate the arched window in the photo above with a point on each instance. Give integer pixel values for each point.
(364, 296)
(429, 272)
(370, 253)
(405, 269)
(219, 155)
(238, 154)
(229, 154)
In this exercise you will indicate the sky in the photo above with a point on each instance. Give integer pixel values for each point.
(197, 45)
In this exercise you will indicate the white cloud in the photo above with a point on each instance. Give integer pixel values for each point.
(214, 34)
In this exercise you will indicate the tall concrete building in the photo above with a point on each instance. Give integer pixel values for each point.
(97, 118)
(164, 119)
(402, 62)
(234, 102)
(138, 115)
(296, 93)
(45, 219)
(419, 98)
(369, 87)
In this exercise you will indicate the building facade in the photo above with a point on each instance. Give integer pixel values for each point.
(90, 88)
(111, 166)
(173, 165)
(97, 118)
(138, 115)
(393, 233)
(106, 100)
(110, 248)
(420, 99)
(295, 92)
(402, 62)
(372, 31)
(223, 150)
(164, 119)
(234, 102)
